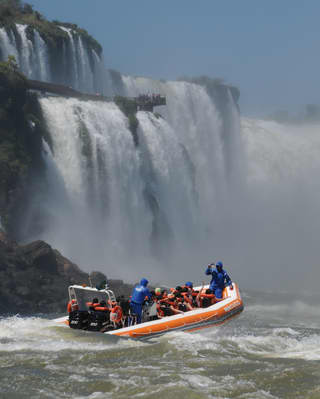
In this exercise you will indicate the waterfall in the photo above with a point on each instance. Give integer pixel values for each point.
(88, 73)
(79, 66)
(198, 126)
(74, 57)
(100, 207)
(98, 202)
(7, 45)
(26, 59)
(32, 57)
(112, 203)
(42, 58)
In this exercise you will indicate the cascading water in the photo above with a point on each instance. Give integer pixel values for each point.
(32, 57)
(26, 55)
(83, 75)
(115, 204)
(7, 45)
(106, 190)
(41, 58)
(197, 126)
(99, 194)
(80, 66)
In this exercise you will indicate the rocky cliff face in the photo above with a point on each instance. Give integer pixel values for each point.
(34, 278)
(21, 133)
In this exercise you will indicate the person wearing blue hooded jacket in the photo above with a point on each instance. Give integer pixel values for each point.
(139, 293)
(220, 279)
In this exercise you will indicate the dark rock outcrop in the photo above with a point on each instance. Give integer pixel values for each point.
(34, 278)
(22, 129)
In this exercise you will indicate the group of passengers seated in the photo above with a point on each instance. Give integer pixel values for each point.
(182, 299)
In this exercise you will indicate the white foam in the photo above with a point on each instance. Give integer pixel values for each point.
(42, 335)
(281, 343)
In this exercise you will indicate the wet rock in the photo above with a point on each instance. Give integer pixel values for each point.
(34, 278)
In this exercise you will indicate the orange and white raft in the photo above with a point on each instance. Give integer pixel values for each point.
(199, 318)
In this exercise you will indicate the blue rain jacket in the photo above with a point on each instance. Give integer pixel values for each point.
(140, 292)
(219, 279)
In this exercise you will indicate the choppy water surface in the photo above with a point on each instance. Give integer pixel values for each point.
(272, 350)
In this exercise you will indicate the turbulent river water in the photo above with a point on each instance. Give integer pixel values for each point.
(270, 351)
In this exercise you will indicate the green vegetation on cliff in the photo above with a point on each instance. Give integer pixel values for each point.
(129, 108)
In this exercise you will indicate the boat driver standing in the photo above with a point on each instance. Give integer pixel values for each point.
(139, 293)
(220, 279)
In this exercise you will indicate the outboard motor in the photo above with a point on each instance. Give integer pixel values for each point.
(98, 320)
(78, 319)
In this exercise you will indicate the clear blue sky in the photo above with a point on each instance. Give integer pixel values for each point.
(270, 49)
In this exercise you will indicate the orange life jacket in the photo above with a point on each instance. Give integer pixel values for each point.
(187, 297)
(211, 297)
(92, 305)
(101, 308)
(116, 314)
(72, 306)
(169, 301)
(159, 310)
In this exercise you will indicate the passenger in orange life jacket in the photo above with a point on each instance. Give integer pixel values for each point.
(72, 306)
(183, 305)
(164, 294)
(171, 301)
(92, 305)
(164, 308)
(161, 307)
(189, 295)
(206, 298)
(102, 307)
(116, 315)
(167, 306)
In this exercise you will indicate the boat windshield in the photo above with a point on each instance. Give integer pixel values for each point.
(83, 295)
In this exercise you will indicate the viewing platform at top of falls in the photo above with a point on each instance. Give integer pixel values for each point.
(146, 102)
(143, 102)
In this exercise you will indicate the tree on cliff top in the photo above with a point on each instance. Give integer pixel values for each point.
(12, 8)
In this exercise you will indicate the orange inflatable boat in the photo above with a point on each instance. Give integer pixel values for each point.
(199, 318)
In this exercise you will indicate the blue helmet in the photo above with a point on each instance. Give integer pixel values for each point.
(144, 282)
(189, 284)
(219, 264)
